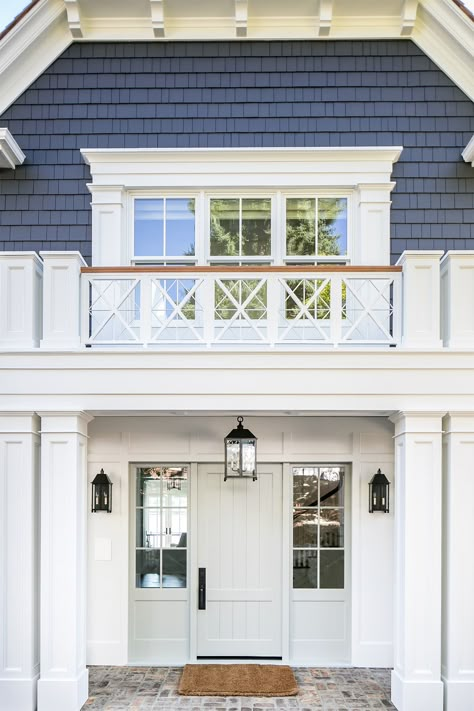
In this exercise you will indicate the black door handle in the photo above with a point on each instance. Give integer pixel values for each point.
(202, 589)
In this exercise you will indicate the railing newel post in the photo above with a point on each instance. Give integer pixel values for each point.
(335, 290)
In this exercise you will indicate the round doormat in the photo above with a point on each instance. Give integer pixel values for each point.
(237, 680)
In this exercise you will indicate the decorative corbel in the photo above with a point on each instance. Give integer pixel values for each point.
(241, 17)
(325, 17)
(409, 9)
(74, 18)
(158, 17)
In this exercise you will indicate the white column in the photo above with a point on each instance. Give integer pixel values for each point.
(458, 562)
(109, 248)
(63, 684)
(20, 299)
(373, 245)
(416, 678)
(421, 327)
(457, 298)
(19, 561)
(61, 299)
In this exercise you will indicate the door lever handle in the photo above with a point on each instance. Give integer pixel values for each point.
(202, 589)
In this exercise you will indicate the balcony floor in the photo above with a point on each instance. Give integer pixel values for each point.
(114, 688)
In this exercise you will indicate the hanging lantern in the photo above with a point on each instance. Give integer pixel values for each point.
(102, 493)
(379, 493)
(240, 453)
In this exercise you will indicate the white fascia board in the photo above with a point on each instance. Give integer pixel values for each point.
(446, 35)
(258, 167)
(30, 47)
(468, 152)
(11, 154)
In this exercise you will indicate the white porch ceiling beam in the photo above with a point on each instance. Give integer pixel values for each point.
(158, 17)
(409, 9)
(241, 18)
(325, 17)
(74, 18)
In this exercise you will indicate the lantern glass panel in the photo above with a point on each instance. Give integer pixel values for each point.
(248, 457)
(233, 457)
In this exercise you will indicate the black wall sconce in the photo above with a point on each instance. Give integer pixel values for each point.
(240, 453)
(379, 493)
(102, 493)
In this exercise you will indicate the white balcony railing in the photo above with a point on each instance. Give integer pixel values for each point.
(241, 306)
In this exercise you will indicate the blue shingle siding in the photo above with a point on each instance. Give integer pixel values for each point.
(223, 94)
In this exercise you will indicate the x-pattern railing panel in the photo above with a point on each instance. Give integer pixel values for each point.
(209, 308)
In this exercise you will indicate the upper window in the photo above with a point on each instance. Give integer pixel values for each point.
(316, 227)
(164, 228)
(240, 227)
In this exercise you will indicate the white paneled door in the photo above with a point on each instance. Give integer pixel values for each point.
(240, 548)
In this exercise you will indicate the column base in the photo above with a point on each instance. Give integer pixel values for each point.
(416, 695)
(63, 694)
(458, 695)
(18, 694)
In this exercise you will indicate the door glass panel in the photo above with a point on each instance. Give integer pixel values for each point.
(331, 528)
(148, 569)
(318, 527)
(332, 569)
(174, 568)
(332, 486)
(305, 529)
(305, 486)
(305, 569)
(161, 520)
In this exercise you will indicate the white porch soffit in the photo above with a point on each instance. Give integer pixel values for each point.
(442, 29)
(11, 154)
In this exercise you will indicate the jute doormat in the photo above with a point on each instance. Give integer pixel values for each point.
(237, 680)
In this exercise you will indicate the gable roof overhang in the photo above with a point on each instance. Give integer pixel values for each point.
(443, 29)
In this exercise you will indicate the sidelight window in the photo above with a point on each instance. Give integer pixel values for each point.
(161, 526)
(318, 527)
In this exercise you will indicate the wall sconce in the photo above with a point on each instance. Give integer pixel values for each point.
(379, 493)
(240, 453)
(101, 493)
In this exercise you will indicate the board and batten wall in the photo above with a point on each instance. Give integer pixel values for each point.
(363, 442)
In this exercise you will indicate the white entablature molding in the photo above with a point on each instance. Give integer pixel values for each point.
(364, 171)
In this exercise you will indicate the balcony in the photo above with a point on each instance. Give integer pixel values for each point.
(234, 307)
(54, 301)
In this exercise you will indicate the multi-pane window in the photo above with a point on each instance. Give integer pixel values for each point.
(316, 227)
(161, 526)
(318, 527)
(240, 227)
(164, 228)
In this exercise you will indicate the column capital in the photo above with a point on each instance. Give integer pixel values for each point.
(418, 422)
(459, 423)
(74, 422)
(19, 423)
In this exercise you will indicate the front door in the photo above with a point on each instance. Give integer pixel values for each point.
(240, 548)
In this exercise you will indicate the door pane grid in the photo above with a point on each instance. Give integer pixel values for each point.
(318, 528)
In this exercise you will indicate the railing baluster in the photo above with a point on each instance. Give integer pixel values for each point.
(207, 301)
(336, 309)
(273, 308)
(145, 312)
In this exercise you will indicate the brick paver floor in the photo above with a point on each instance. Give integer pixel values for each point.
(139, 688)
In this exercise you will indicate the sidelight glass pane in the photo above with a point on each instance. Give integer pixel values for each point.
(174, 569)
(148, 569)
(332, 486)
(149, 227)
(305, 569)
(331, 569)
(175, 486)
(225, 227)
(305, 486)
(300, 226)
(256, 227)
(331, 528)
(332, 226)
(305, 529)
(180, 232)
